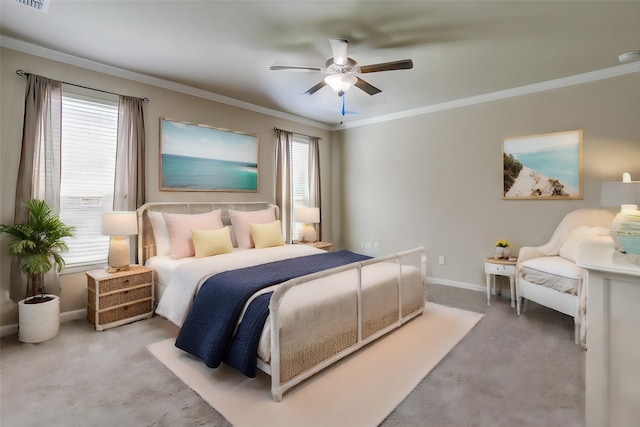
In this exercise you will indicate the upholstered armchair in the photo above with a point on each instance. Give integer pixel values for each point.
(548, 274)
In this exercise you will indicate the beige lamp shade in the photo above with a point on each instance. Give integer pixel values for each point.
(625, 193)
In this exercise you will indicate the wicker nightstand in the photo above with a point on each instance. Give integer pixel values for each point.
(115, 299)
(320, 245)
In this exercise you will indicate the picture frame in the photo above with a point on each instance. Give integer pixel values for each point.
(197, 157)
(543, 167)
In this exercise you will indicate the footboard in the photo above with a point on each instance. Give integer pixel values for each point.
(381, 295)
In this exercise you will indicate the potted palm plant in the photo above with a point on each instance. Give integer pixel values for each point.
(38, 244)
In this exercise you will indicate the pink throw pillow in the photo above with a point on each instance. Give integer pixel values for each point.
(179, 227)
(241, 220)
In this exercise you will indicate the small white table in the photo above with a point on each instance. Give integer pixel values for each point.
(500, 267)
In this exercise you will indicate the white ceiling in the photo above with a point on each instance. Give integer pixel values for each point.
(459, 49)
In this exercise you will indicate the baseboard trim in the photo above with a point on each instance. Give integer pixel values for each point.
(456, 284)
(67, 316)
(8, 330)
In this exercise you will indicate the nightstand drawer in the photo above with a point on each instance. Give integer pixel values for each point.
(119, 297)
(120, 313)
(117, 283)
(499, 269)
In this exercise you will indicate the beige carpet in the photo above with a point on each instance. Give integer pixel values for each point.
(361, 390)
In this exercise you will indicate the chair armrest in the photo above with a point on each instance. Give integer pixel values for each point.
(529, 252)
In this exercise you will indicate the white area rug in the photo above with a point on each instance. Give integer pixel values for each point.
(361, 390)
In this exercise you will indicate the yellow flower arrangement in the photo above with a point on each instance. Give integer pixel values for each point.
(503, 243)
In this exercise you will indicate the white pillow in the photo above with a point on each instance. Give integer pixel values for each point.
(160, 233)
(180, 226)
(241, 220)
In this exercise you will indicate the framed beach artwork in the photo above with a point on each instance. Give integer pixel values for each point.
(547, 166)
(196, 157)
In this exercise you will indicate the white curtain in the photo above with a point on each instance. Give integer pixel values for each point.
(314, 180)
(129, 183)
(39, 169)
(283, 180)
(129, 186)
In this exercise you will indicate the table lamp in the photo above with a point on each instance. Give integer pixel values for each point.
(625, 228)
(118, 225)
(308, 216)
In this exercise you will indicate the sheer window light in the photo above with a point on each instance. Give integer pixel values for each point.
(89, 138)
(300, 177)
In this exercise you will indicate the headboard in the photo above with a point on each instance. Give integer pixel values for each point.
(146, 240)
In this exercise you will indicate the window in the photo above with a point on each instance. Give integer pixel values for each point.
(89, 138)
(299, 177)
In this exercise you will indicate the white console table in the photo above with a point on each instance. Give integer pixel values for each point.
(613, 335)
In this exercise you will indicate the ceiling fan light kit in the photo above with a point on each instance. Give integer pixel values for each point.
(340, 83)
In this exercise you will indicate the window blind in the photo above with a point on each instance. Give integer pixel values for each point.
(89, 138)
(299, 177)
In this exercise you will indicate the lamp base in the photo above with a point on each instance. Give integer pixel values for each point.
(308, 234)
(119, 256)
(625, 232)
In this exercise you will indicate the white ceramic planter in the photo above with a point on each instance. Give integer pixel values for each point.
(38, 322)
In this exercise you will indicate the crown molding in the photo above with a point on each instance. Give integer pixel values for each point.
(31, 49)
(577, 79)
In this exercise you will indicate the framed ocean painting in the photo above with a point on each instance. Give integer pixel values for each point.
(546, 166)
(196, 157)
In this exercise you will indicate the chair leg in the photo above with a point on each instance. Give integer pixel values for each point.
(519, 305)
(577, 329)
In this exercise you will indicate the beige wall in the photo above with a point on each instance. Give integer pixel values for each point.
(435, 180)
(432, 180)
(164, 103)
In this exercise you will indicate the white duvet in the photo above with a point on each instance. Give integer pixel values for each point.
(188, 274)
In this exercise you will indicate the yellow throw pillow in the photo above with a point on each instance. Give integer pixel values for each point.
(211, 242)
(266, 235)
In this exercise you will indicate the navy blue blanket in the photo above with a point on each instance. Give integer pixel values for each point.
(208, 329)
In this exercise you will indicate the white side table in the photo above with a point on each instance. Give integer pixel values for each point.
(500, 267)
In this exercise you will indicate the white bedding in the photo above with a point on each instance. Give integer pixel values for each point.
(184, 277)
(304, 304)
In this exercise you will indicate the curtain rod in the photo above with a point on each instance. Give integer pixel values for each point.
(23, 73)
(298, 133)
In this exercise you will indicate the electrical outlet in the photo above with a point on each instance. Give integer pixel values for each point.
(441, 260)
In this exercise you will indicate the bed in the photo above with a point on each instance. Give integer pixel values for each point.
(312, 320)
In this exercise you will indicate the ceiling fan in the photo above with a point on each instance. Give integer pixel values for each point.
(342, 71)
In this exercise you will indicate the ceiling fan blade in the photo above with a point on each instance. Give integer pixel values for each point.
(405, 64)
(315, 88)
(339, 49)
(370, 89)
(294, 68)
